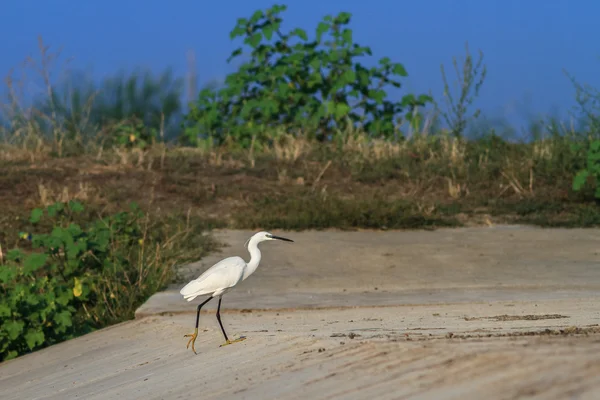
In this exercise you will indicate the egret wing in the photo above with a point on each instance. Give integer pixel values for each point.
(224, 274)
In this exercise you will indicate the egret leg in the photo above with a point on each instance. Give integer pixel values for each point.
(227, 341)
(194, 335)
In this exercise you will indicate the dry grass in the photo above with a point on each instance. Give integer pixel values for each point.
(433, 178)
(424, 182)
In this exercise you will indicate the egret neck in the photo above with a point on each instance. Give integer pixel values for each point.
(255, 256)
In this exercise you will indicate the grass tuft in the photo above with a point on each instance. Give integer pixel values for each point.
(319, 211)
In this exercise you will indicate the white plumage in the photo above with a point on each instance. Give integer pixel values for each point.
(222, 277)
(217, 279)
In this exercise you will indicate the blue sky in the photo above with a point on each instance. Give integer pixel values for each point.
(526, 43)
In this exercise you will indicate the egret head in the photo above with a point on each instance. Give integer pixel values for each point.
(264, 236)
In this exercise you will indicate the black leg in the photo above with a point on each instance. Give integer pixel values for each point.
(200, 307)
(219, 319)
(194, 335)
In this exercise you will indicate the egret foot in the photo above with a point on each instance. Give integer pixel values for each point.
(233, 341)
(192, 340)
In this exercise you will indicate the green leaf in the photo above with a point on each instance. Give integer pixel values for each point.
(74, 250)
(399, 70)
(233, 55)
(13, 328)
(349, 77)
(7, 273)
(268, 32)
(63, 319)
(34, 338)
(74, 230)
(424, 99)
(36, 215)
(256, 17)
(32, 299)
(62, 235)
(343, 18)
(64, 297)
(408, 100)
(55, 208)
(237, 31)
(321, 29)
(385, 61)
(254, 40)
(580, 180)
(347, 36)
(301, 33)
(341, 110)
(377, 95)
(14, 255)
(34, 261)
(76, 206)
(5, 310)
(276, 9)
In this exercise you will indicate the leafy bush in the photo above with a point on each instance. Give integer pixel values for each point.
(592, 170)
(78, 277)
(291, 81)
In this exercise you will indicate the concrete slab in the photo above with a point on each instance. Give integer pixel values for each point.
(417, 352)
(495, 313)
(367, 268)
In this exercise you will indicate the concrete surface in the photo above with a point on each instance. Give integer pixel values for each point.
(328, 269)
(495, 313)
(402, 352)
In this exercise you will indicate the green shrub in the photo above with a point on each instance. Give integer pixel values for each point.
(77, 278)
(591, 170)
(292, 81)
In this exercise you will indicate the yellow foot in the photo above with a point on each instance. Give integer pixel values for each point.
(233, 341)
(192, 340)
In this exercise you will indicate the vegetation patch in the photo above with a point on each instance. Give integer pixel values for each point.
(310, 132)
(75, 273)
(316, 211)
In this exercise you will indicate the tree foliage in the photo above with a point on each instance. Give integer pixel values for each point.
(290, 80)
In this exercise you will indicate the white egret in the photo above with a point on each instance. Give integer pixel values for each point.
(222, 277)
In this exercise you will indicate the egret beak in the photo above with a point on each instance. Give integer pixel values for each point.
(281, 238)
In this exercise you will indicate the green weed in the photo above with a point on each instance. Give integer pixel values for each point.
(307, 210)
(80, 274)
